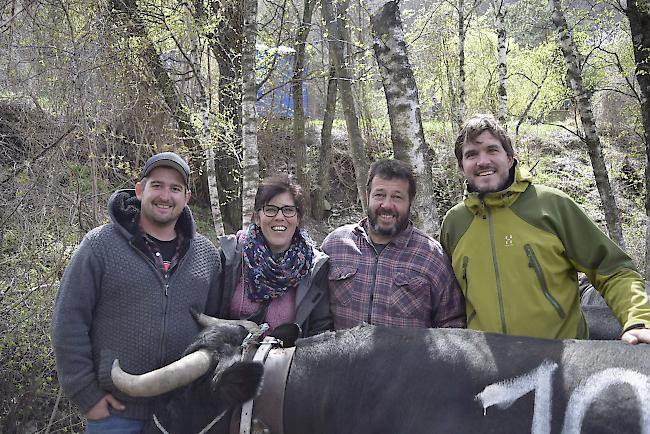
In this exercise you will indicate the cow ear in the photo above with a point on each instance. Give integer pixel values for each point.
(239, 383)
(287, 333)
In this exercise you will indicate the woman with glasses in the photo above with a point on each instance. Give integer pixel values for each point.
(271, 271)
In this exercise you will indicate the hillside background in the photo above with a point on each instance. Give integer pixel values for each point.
(90, 89)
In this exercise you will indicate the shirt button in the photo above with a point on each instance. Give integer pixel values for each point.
(157, 253)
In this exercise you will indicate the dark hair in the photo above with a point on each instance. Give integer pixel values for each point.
(273, 185)
(474, 127)
(391, 169)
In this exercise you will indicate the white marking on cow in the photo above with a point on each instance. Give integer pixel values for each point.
(505, 393)
(584, 395)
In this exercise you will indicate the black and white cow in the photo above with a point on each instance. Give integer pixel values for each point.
(376, 380)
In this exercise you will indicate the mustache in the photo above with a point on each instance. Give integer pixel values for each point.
(387, 212)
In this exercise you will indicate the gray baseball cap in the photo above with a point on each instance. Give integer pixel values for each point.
(168, 159)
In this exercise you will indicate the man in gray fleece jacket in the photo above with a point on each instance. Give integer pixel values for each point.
(127, 294)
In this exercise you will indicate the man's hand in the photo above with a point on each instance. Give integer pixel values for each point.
(100, 410)
(636, 336)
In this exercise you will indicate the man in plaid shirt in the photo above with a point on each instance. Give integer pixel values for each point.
(385, 271)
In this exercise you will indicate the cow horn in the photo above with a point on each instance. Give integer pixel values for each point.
(162, 380)
(205, 321)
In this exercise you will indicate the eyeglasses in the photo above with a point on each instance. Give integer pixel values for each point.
(272, 210)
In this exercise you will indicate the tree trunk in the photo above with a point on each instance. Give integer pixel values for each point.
(358, 152)
(325, 158)
(404, 110)
(499, 25)
(249, 115)
(302, 165)
(638, 14)
(583, 102)
(462, 104)
(363, 88)
(226, 45)
(127, 10)
(200, 95)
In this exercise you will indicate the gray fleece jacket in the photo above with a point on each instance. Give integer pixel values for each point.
(114, 302)
(312, 298)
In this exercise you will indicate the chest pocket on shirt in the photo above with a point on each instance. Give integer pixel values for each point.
(411, 297)
(341, 284)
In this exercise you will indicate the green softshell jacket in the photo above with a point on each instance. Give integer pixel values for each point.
(516, 254)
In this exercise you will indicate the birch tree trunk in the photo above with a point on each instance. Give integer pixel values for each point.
(358, 152)
(325, 157)
(499, 25)
(302, 166)
(404, 109)
(249, 114)
(583, 102)
(638, 14)
(200, 92)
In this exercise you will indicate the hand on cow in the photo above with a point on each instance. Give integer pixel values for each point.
(636, 336)
(100, 410)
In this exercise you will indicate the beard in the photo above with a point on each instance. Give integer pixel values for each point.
(484, 190)
(502, 185)
(390, 231)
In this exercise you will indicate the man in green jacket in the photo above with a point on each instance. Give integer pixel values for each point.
(517, 247)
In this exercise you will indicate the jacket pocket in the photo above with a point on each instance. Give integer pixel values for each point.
(341, 281)
(472, 314)
(410, 297)
(535, 265)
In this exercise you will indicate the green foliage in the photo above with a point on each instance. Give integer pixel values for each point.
(203, 219)
(528, 22)
(88, 73)
(536, 74)
(433, 53)
(46, 207)
(448, 184)
(529, 69)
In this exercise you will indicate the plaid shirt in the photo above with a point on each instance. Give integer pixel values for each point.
(151, 249)
(409, 284)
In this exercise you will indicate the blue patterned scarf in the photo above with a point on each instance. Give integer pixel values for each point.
(268, 276)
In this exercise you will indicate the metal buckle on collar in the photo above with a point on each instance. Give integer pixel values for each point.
(254, 336)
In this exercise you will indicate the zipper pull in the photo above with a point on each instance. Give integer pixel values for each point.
(166, 288)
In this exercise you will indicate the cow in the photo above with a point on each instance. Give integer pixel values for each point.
(601, 321)
(378, 380)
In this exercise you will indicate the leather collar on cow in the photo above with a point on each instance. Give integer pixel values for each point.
(269, 404)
